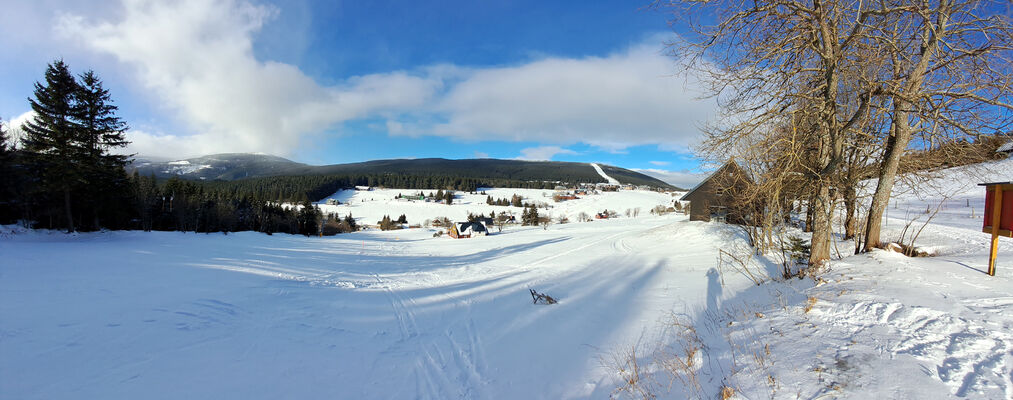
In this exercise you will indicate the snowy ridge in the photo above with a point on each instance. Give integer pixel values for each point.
(610, 180)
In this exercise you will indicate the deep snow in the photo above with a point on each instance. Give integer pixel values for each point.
(370, 206)
(402, 314)
(367, 315)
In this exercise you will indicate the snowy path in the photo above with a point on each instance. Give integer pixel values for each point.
(611, 181)
(366, 315)
(882, 325)
(402, 314)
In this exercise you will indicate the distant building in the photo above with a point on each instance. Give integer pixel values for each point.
(461, 230)
(715, 198)
(333, 202)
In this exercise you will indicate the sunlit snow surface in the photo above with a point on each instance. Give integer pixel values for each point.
(402, 314)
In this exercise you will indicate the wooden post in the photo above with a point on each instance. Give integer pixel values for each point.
(996, 212)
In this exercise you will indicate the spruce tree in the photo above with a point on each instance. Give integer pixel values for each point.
(350, 221)
(52, 140)
(101, 131)
(8, 177)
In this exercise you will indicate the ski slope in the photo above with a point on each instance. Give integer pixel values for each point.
(611, 181)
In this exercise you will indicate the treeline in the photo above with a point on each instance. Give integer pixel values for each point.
(67, 171)
(515, 201)
(295, 189)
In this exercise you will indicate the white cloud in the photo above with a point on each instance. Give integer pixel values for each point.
(481, 154)
(613, 102)
(543, 153)
(683, 179)
(197, 57)
(660, 163)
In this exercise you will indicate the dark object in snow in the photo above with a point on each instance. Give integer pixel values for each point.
(539, 298)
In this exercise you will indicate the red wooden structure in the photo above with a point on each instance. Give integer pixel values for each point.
(998, 216)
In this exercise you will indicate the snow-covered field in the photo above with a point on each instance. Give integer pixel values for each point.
(370, 206)
(402, 314)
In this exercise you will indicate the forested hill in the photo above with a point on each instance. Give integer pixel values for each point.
(235, 166)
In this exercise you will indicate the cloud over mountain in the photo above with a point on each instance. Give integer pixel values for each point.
(196, 57)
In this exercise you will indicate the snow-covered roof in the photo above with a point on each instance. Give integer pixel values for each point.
(1006, 148)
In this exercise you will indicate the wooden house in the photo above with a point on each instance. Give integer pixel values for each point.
(716, 197)
(461, 230)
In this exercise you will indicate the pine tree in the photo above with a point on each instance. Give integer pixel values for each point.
(101, 131)
(52, 140)
(308, 219)
(351, 222)
(8, 177)
(529, 216)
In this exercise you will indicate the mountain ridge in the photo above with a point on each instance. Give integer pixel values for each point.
(236, 166)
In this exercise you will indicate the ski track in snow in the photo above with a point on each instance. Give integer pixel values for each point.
(601, 172)
(402, 314)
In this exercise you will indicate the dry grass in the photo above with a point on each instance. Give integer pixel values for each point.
(809, 304)
(632, 383)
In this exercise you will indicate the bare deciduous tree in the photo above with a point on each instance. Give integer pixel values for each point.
(947, 75)
(778, 63)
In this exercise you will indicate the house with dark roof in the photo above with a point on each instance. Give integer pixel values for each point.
(461, 230)
(717, 197)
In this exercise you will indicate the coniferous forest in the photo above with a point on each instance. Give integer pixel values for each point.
(68, 171)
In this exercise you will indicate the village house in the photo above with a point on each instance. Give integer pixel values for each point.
(715, 197)
(461, 230)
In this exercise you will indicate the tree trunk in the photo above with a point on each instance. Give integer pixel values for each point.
(810, 204)
(887, 174)
(821, 207)
(66, 204)
(850, 197)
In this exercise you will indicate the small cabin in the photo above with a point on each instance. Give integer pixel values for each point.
(461, 230)
(716, 197)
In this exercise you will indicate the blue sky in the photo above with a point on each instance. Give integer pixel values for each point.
(327, 82)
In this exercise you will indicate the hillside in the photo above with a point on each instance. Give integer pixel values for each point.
(648, 306)
(239, 166)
